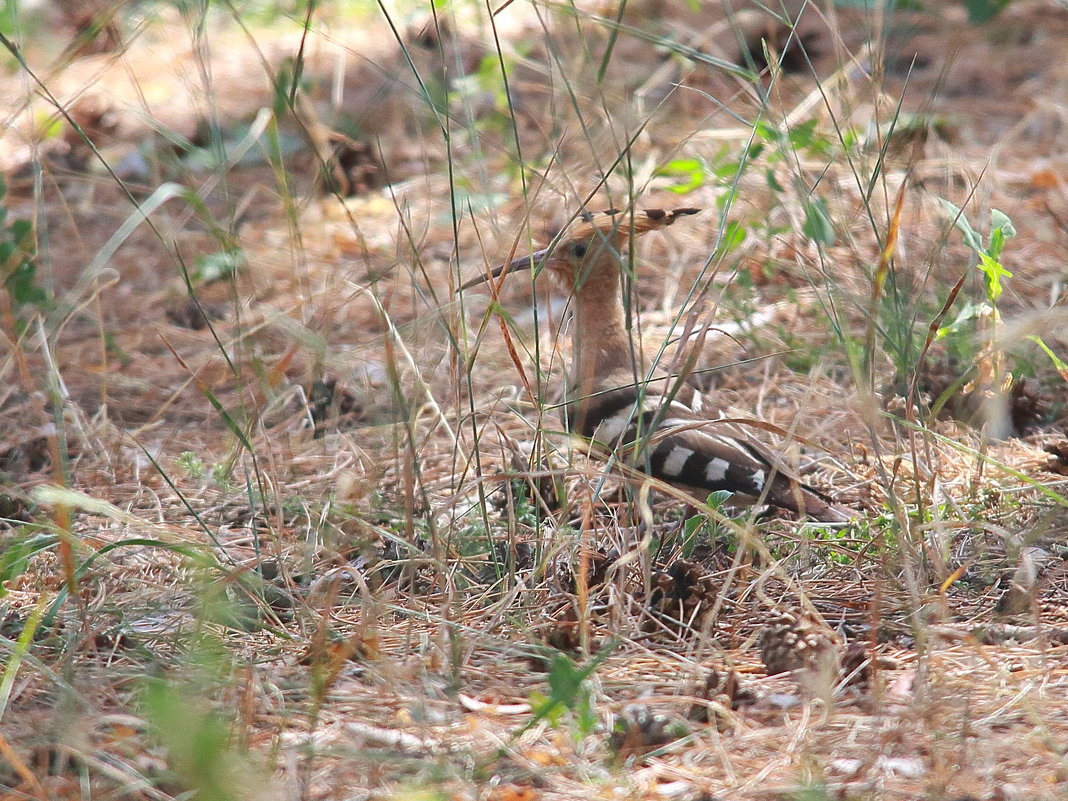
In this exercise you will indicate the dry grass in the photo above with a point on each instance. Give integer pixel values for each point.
(430, 593)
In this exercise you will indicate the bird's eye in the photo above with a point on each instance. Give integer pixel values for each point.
(578, 249)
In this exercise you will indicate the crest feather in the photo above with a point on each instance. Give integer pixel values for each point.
(616, 222)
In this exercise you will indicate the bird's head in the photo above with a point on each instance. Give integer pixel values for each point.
(588, 252)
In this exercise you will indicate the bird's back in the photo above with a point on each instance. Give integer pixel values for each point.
(666, 428)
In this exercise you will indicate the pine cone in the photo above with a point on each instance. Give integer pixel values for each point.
(561, 631)
(1022, 583)
(683, 595)
(1027, 406)
(598, 563)
(1058, 457)
(856, 667)
(638, 730)
(727, 690)
(797, 641)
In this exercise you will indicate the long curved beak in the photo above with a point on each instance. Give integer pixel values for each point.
(515, 266)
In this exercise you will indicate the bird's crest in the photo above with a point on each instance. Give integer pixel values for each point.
(612, 225)
(640, 221)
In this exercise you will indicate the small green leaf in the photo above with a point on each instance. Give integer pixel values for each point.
(218, 265)
(691, 171)
(691, 531)
(22, 284)
(546, 708)
(850, 138)
(717, 499)
(20, 234)
(801, 134)
(49, 125)
(766, 131)
(817, 225)
(1000, 220)
(1058, 362)
(726, 172)
(997, 242)
(956, 215)
(565, 679)
(1002, 230)
(15, 557)
(980, 11)
(969, 312)
(994, 272)
(733, 236)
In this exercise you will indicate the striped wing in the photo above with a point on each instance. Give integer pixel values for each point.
(681, 442)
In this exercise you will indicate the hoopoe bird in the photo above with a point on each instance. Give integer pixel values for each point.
(660, 423)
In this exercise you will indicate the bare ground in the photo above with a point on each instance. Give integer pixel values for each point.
(374, 611)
